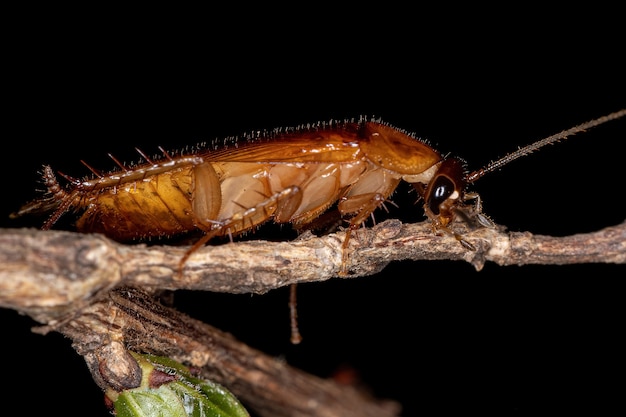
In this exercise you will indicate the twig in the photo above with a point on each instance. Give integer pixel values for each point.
(85, 286)
(131, 319)
(48, 275)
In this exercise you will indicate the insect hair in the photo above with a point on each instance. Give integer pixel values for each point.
(270, 134)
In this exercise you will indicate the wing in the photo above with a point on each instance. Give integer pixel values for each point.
(338, 143)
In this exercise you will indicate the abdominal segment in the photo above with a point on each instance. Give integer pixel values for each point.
(158, 205)
(218, 197)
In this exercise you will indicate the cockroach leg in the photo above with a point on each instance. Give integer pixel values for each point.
(281, 202)
(360, 207)
(343, 271)
(197, 245)
(465, 243)
(296, 338)
(476, 213)
(439, 229)
(59, 198)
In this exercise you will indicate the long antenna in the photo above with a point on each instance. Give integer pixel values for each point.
(492, 166)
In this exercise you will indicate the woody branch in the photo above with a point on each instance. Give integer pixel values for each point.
(86, 287)
(50, 274)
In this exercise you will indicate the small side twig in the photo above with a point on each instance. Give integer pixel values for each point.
(131, 319)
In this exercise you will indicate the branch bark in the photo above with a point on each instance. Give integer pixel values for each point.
(86, 287)
(131, 319)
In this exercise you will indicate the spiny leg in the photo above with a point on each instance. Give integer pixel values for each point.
(476, 213)
(276, 203)
(361, 207)
(281, 206)
(63, 199)
(296, 338)
(471, 215)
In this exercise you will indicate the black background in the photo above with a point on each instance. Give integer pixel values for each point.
(439, 337)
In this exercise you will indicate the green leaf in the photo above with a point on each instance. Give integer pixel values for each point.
(162, 402)
(182, 396)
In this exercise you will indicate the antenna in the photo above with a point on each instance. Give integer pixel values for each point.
(492, 166)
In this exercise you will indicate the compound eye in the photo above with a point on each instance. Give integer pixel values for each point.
(442, 188)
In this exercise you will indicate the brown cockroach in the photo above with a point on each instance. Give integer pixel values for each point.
(287, 175)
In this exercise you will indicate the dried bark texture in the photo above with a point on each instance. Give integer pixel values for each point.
(85, 286)
(129, 318)
(48, 275)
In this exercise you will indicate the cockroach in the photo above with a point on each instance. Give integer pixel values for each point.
(286, 175)
(289, 175)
